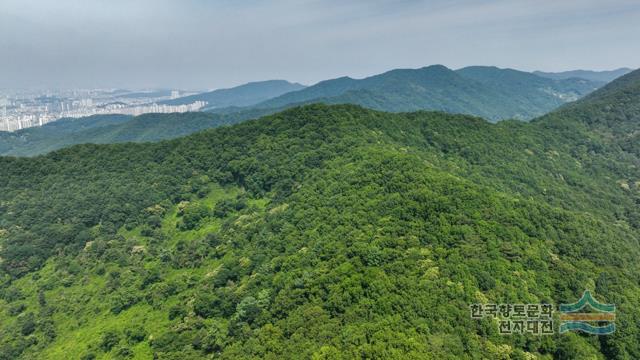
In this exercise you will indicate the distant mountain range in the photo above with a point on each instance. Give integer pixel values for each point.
(244, 95)
(145, 94)
(488, 92)
(605, 76)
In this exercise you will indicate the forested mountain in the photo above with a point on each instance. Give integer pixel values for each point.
(54, 135)
(112, 129)
(536, 92)
(243, 95)
(325, 232)
(483, 91)
(613, 112)
(603, 76)
(616, 106)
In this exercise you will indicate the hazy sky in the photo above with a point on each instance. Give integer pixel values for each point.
(198, 44)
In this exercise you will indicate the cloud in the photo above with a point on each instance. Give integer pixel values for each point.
(207, 44)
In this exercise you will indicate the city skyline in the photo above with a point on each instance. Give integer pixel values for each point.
(37, 109)
(202, 45)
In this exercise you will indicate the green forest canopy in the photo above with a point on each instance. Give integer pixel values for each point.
(325, 232)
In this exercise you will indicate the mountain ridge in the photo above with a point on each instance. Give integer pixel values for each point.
(244, 95)
(605, 76)
(433, 87)
(438, 88)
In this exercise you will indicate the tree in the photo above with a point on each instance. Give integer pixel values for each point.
(109, 340)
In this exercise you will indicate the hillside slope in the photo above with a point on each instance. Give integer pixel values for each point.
(534, 94)
(143, 128)
(613, 112)
(243, 95)
(322, 232)
(54, 135)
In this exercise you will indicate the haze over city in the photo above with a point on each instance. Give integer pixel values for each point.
(197, 44)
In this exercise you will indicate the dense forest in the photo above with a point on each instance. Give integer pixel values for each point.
(326, 232)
